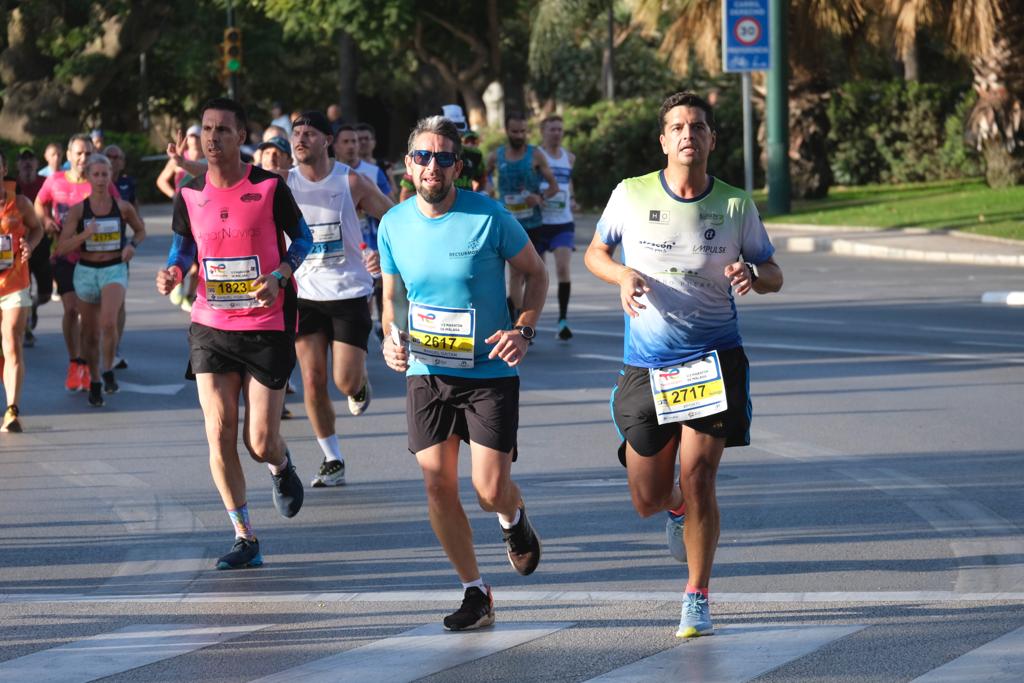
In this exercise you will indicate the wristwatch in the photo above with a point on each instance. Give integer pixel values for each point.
(753, 271)
(527, 332)
(282, 281)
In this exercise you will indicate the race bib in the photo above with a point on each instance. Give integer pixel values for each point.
(442, 336)
(558, 201)
(517, 206)
(689, 390)
(107, 236)
(6, 252)
(230, 280)
(328, 245)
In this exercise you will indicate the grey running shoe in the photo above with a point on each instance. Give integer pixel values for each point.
(674, 536)
(696, 618)
(331, 473)
(358, 404)
(522, 545)
(477, 611)
(244, 553)
(288, 492)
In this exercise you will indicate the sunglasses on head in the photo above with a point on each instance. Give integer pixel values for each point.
(422, 157)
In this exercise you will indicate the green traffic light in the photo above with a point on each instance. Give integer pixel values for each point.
(234, 65)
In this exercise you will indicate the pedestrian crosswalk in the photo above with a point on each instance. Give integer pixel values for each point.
(738, 652)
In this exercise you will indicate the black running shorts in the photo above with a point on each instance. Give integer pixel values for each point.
(484, 410)
(268, 356)
(636, 420)
(64, 274)
(346, 320)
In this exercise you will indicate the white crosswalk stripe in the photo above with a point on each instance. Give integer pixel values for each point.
(999, 661)
(115, 652)
(733, 654)
(415, 654)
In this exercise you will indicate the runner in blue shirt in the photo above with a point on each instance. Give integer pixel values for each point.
(460, 350)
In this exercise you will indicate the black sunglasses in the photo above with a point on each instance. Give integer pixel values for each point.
(422, 157)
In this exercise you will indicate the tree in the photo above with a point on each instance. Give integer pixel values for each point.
(990, 34)
(61, 57)
(692, 28)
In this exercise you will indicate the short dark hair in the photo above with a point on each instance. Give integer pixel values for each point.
(366, 126)
(687, 99)
(344, 126)
(227, 104)
(436, 125)
(513, 115)
(551, 118)
(79, 136)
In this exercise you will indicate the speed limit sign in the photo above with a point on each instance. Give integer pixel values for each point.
(748, 31)
(745, 35)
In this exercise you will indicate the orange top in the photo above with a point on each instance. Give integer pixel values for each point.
(14, 274)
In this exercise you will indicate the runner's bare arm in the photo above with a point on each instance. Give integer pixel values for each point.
(34, 229)
(396, 356)
(599, 261)
(769, 277)
(134, 221)
(510, 345)
(367, 196)
(544, 169)
(69, 239)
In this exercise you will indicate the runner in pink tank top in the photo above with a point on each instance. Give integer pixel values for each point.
(233, 220)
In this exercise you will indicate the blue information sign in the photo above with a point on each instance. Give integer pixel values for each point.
(745, 34)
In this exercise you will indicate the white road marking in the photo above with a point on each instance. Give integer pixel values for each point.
(415, 654)
(992, 344)
(449, 596)
(961, 330)
(812, 321)
(999, 661)
(1005, 298)
(155, 389)
(115, 652)
(733, 654)
(597, 356)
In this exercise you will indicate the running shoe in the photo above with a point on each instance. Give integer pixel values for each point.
(30, 339)
(331, 473)
(11, 422)
(477, 611)
(674, 536)
(358, 404)
(288, 492)
(110, 383)
(244, 554)
(564, 333)
(522, 545)
(84, 378)
(177, 295)
(95, 394)
(120, 363)
(73, 383)
(286, 414)
(696, 618)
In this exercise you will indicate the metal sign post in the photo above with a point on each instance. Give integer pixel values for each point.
(745, 48)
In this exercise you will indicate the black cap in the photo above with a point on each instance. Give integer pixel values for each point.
(315, 119)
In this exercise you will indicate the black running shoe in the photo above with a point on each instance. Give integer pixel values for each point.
(120, 363)
(109, 383)
(287, 490)
(522, 545)
(564, 333)
(244, 554)
(95, 394)
(30, 339)
(477, 611)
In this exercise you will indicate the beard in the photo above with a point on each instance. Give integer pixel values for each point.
(516, 144)
(435, 196)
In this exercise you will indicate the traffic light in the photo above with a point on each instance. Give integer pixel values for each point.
(231, 51)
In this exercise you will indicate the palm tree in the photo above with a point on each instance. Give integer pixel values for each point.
(693, 27)
(990, 33)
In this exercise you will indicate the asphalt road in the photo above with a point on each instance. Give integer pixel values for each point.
(872, 532)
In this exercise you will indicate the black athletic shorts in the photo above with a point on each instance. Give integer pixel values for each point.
(64, 274)
(484, 410)
(636, 420)
(268, 356)
(42, 270)
(346, 320)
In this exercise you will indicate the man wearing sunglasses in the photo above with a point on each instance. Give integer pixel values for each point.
(333, 281)
(520, 169)
(460, 351)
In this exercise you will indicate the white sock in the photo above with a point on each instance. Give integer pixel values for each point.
(329, 445)
(506, 523)
(479, 583)
(278, 469)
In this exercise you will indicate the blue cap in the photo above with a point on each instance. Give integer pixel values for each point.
(278, 142)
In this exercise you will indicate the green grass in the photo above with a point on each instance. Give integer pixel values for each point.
(967, 205)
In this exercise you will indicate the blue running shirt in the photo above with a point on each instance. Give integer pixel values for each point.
(455, 261)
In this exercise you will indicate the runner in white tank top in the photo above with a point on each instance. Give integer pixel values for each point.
(334, 281)
(558, 232)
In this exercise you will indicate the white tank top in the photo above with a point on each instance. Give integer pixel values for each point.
(334, 269)
(557, 209)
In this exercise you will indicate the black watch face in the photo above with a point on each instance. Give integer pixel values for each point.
(527, 331)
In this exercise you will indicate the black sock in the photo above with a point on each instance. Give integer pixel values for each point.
(563, 299)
